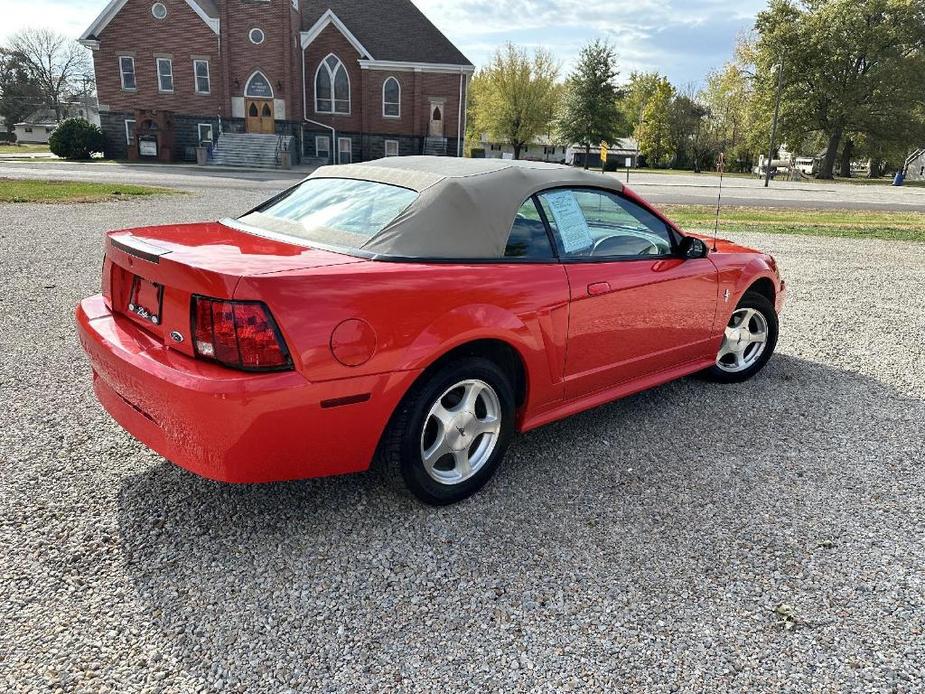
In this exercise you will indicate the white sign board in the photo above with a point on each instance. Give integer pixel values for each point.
(147, 148)
(629, 162)
(507, 155)
(570, 220)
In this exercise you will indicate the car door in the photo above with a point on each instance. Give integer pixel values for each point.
(636, 307)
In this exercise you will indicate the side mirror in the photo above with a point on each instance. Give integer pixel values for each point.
(692, 248)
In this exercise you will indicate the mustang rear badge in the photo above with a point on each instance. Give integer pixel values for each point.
(142, 312)
(150, 293)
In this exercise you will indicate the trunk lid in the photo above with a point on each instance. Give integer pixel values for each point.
(151, 273)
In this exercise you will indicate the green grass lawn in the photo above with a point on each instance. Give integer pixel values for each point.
(23, 149)
(858, 224)
(14, 190)
(682, 172)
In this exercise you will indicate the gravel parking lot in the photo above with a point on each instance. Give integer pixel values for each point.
(643, 546)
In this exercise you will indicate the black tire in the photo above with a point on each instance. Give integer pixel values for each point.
(399, 456)
(761, 304)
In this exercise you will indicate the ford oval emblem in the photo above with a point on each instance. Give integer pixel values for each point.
(176, 336)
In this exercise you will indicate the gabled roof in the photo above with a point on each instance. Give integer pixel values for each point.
(387, 30)
(42, 116)
(206, 9)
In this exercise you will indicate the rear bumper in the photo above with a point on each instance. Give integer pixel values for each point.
(227, 425)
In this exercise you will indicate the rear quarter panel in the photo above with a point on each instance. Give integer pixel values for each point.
(419, 312)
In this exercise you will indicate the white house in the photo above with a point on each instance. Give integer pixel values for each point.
(542, 148)
(36, 128)
(39, 125)
(915, 165)
(618, 152)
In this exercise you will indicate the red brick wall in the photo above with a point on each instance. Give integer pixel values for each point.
(180, 36)
(442, 86)
(183, 35)
(295, 62)
(375, 121)
(330, 40)
(272, 57)
(366, 93)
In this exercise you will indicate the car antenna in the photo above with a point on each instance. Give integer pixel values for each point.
(719, 196)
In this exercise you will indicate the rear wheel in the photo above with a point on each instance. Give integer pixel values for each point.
(451, 431)
(748, 342)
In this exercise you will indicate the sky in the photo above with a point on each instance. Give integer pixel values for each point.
(683, 39)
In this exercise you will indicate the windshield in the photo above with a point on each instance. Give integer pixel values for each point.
(333, 211)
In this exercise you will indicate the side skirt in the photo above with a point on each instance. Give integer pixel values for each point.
(622, 390)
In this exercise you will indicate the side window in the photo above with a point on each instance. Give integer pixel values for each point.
(600, 224)
(528, 237)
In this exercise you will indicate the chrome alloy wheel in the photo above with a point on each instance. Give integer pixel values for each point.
(744, 342)
(461, 431)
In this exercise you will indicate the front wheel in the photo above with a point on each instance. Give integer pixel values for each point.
(451, 431)
(748, 341)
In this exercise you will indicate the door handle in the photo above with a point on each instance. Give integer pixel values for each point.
(597, 288)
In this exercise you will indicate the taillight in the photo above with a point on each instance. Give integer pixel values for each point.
(239, 334)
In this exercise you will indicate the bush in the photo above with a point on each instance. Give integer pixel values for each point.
(76, 138)
(8, 137)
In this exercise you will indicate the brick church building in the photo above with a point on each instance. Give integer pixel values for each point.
(333, 80)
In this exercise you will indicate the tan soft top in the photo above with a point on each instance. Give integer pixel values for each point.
(465, 207)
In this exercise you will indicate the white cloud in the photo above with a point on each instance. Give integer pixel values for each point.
(70, 18)
(683, 38)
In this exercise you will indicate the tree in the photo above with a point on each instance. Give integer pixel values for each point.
(728, 97)
(515, 96)
(686, 123)
(19, 92)
(591, 113)
(636, 95)
(76, 138)
(654, 131)
(59, 65)
(851, 68)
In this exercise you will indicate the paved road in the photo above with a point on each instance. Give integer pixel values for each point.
(693, 189)
(659, 188)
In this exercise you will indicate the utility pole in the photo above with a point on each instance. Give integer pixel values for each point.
(780, 83)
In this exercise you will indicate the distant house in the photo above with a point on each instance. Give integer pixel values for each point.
(37, 127)
(619, 152)
(542, 148)
(915, 165)
(86, 107)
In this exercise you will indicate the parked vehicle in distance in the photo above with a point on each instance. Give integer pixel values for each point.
(761, 171)
(418, 311)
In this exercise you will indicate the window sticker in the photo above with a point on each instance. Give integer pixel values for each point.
(573, 227)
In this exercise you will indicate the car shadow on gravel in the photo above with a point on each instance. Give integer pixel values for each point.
(638, 505)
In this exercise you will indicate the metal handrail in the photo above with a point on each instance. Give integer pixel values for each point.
(281, 146)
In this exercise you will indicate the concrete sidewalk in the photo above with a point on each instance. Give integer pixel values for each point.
(17, 156)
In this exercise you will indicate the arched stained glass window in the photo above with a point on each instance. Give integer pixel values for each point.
(332, 86)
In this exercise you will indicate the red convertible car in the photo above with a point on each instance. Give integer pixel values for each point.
(415, 311)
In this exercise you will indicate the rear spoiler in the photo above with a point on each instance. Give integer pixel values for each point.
(138, 248)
